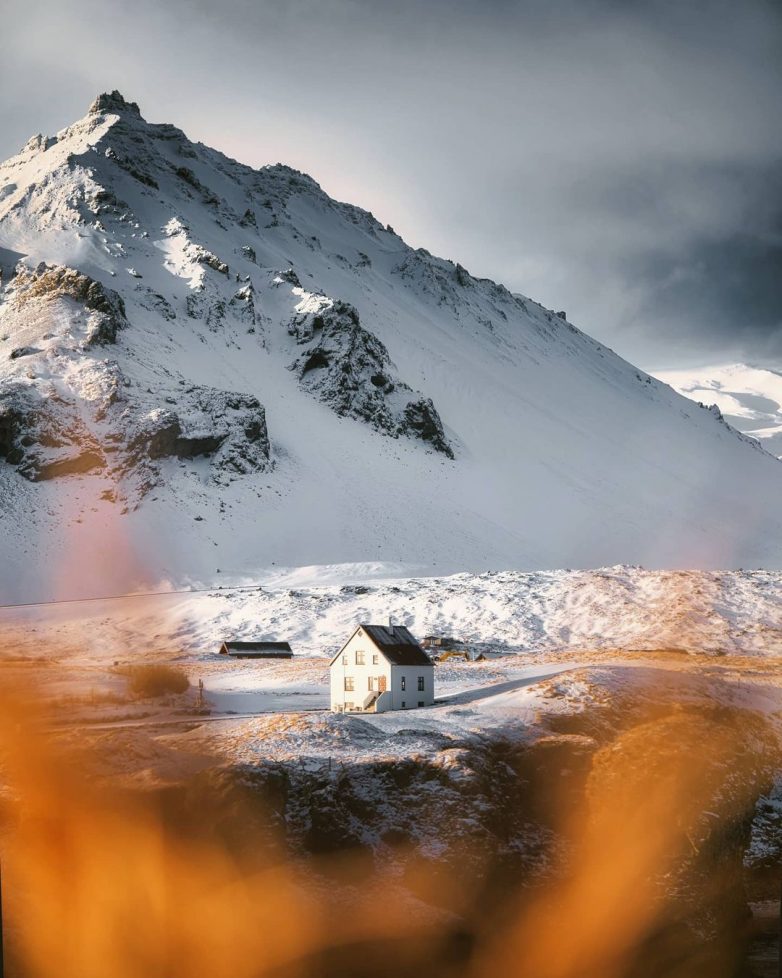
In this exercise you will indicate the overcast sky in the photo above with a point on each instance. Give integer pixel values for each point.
(618, 160)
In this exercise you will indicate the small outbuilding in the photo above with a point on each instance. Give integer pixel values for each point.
(438, 642)
(257, 650)
(381, 668)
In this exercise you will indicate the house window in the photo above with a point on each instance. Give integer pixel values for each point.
(420, 702)
(403, 704)
(359, 658)
(420, 684)
(344, 660)
(370, 680)
(404, 685)
(375, 660)
(349, 684)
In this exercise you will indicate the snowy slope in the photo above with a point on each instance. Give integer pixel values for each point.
(750, 398)
(240, 372)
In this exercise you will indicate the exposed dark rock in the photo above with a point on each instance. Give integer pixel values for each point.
(462, 275)
(23, 351)
(433, 277)
(130, 166)
(227, 426)
(158, 303)
(12, 427)
(422, 420)
(290, 276)
(349, 368)
(207, 258)
(80, 464)
(243, 303)
(111, 102)
(44, 438)
(186, 174)
(104, 201)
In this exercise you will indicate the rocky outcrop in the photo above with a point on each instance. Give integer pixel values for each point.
(51, 282)
(45, 438)
(348, 368)
(207, 258)
(421, 420)
(243, 304)
(113, 102)
(23, 351)
(228, 427)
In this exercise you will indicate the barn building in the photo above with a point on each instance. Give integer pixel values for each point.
(381, 668)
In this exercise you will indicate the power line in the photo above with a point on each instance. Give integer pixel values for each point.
(134, 594)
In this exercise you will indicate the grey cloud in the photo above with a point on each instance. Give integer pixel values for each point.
(617, 159)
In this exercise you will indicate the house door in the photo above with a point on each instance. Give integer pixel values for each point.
(381, 684)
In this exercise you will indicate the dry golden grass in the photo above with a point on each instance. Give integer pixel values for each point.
(155, 679)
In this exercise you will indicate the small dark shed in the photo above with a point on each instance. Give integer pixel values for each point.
(257, 650)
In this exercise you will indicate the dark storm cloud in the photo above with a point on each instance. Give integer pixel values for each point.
(728, 291)
(617, 159)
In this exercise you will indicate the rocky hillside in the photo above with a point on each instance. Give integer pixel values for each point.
(208, 367)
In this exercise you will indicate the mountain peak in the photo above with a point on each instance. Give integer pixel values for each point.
(211, 359)
(113, 102)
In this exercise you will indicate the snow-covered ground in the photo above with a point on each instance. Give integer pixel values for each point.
(749, 397)
(537, 613)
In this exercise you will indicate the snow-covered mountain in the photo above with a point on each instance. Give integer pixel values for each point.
(207, 367)
(750, 398)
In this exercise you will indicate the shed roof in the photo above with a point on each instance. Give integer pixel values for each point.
(396, 643)
(257, 648)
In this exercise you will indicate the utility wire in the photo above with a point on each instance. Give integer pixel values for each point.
(135, 594)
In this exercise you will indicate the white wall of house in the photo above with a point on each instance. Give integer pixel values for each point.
(405, 683)
(365, 676)
(363, 667)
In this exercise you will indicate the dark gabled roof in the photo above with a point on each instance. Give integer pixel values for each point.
(396, 643)
(259, 646)
(248, 648)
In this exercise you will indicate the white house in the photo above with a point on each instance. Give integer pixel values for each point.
(380, 668)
